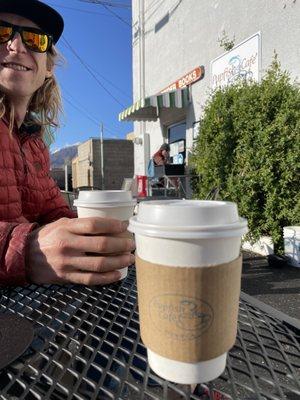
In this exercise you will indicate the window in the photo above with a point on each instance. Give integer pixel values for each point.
(176, 139)
(177, 132)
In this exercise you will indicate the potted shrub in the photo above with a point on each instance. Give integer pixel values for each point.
(248, 147)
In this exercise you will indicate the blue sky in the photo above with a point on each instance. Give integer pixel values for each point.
(102, 42)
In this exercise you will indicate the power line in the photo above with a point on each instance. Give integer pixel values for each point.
(108, 9)
(91, 72)
(88, 116)
(84, 109)
(80, 10)
(108, 3)
(111, 83)
(117, 16)
(107, 80)
(153, 5)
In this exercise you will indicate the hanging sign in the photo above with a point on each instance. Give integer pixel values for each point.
(243, 61)
(187, 79)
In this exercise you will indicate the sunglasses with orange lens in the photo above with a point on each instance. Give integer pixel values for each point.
(33, 38)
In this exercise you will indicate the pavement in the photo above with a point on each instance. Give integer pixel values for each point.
(278, 287)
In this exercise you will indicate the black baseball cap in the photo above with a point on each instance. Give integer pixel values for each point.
(48, 19)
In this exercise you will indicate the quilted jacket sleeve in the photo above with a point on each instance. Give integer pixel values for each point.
(55, 206)
(12, 252)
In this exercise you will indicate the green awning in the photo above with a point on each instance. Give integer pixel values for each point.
(149, 108)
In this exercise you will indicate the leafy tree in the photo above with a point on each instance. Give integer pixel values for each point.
(248, 147)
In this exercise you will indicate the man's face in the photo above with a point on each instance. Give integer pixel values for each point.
(22, 71)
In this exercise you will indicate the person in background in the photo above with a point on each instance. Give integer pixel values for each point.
(41, 240)
(162, 156)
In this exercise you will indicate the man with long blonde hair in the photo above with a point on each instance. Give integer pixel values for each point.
(41, 241)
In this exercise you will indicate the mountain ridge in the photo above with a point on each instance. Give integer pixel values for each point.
(59, 158)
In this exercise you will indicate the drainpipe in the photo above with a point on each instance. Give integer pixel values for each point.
(142, 68)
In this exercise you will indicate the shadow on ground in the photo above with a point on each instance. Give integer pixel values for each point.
(278, 287)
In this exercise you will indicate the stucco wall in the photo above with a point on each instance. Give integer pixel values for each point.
(182, 34)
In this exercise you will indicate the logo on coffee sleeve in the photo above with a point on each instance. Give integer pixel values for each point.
(180, 317)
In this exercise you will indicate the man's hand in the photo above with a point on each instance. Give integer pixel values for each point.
(87, 251)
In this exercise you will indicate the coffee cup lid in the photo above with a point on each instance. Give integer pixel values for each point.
(104, 198)
(188, 219)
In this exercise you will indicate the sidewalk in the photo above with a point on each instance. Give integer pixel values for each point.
(277, 287)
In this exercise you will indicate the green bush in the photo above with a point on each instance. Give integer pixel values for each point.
(248, 147)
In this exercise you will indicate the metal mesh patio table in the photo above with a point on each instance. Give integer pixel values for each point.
(87, 346)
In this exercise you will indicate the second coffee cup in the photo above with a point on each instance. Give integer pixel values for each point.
(117, 204)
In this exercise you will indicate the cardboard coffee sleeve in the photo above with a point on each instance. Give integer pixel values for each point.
(188, 314)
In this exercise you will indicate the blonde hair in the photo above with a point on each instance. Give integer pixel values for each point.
(45, 104)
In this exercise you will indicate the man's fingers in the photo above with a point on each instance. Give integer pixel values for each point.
(96, 226)
(93, 278)
(125, 234)
(101, 264)
(100, 244)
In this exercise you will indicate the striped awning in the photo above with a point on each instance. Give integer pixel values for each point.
(149, 108)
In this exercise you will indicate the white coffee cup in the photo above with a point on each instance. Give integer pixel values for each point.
(117, 204)
(187, 233)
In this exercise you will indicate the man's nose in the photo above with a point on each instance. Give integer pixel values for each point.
(16, 44)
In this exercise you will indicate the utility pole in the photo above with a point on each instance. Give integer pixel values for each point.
(102, 157)
(66, 177)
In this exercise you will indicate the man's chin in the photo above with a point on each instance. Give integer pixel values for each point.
(14, 90)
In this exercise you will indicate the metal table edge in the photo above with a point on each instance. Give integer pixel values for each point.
(290, 321)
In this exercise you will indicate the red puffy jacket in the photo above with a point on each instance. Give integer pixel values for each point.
(29, 197)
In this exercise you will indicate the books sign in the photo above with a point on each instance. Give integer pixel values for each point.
(187, 79)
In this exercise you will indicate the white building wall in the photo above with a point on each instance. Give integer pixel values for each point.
(180, 35)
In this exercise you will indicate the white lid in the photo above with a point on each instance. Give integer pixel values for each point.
(188, 219)
(104, 198)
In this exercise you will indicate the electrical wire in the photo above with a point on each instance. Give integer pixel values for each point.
(93, 69)
(128, 97)
(153, 12)
(154, 3)
(108, 9)
(79, 9)
(90, 71)
(80, 108)
(116, 15)
(111, 83)
(88, 116)
(83, 109)
(109, 3)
